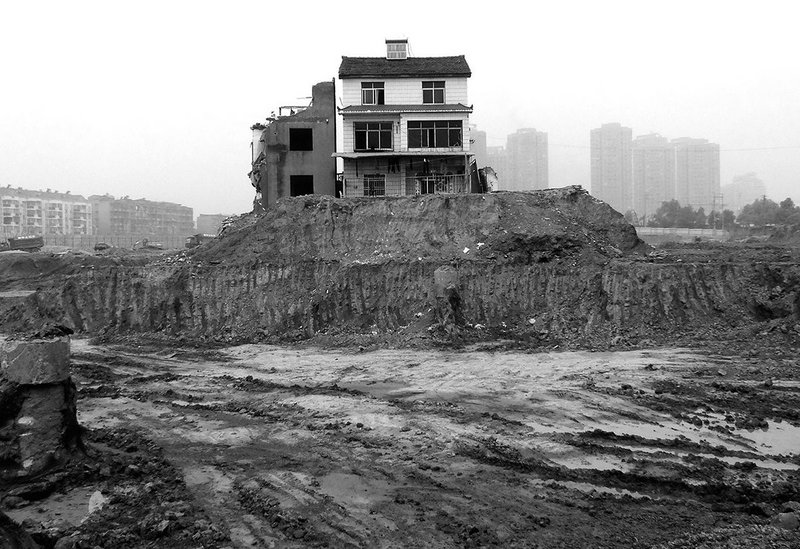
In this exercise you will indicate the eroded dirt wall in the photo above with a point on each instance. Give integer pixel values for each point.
(566, 301)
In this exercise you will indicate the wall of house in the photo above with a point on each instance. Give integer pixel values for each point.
(405, 91)
(281, 163)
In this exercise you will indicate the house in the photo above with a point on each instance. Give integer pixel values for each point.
(291, 153)
(405, 124)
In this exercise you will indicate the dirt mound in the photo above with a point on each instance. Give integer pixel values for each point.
(788, 234)
(531, 227)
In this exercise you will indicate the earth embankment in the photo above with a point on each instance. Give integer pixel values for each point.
(548, 267)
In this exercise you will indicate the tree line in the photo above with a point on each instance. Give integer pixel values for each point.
(761, 213)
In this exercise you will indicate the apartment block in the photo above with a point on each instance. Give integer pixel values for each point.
(140, 217)
(29, 212)
(653, 173)
(611, 165)
(526, 150)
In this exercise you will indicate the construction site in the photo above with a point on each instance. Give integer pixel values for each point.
(510, 369)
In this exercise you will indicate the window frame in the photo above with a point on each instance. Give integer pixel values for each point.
(375, 91)
(429, 134)
(434, 92)
(295, 181)
(299, 143)
(380, 131)
(375, 184)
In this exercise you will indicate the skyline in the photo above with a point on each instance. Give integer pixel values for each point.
(156, 101)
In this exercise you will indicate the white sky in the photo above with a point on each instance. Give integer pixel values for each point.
(155, 99)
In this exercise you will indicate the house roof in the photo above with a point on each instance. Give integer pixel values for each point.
(435, 107)
(380, 67)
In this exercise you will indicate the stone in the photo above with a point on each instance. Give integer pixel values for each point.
(788, 521)
(35, 362)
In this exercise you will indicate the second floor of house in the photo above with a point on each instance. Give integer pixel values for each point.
(407, 132)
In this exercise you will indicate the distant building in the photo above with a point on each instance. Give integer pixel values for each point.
(291, 154)
(611, 154)
(139, 218)
(527, 160)
(697, 173)
(28, 212)
(498, 160)
(405, 123)
(745, 189)
(210, 223)
(653, 173)
(478, 146)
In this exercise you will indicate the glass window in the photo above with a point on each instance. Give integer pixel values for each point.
(373, 136)
(434, 134)
(433, 91)
(372, 93)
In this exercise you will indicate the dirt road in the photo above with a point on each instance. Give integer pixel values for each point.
(297, 447)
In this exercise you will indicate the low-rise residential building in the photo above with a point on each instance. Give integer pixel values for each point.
(210, 223)
(29, 212)
(405, 123)
(292, 152)
(140, 217)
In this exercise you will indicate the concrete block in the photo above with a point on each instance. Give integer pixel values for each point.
(35, 362)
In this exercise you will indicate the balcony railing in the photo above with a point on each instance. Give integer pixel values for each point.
(408, 186)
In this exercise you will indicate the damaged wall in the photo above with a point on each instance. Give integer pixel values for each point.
(275, 162)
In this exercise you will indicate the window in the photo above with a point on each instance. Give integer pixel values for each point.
(434, 134)
(375, 185)
(372, 93)
(433, 91)
(301, 139)
(373, 136)
(301, 184)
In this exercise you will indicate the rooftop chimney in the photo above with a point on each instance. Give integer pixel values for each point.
(397, 49)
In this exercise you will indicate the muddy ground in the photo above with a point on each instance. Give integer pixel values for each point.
(263, 446)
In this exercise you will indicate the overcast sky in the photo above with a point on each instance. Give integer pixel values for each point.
(155, 99)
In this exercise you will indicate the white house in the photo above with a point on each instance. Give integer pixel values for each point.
(405, 123)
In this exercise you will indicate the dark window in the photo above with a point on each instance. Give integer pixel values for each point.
(433, 91)
(373, 136)
(301, 139)
(434, 134)
(301, 184)
(372, 93)
(375, 185)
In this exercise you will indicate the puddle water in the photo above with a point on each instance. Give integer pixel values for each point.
(354, 490)
(777, 439)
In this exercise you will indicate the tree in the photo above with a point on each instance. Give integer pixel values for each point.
(728, 219)
(787, 213)
(761, 212)
(666, 215)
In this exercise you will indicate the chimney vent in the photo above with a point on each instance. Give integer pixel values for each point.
(397, 49)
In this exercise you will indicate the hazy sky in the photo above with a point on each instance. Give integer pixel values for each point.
(155, 99)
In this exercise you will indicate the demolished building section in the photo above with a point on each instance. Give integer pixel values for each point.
(291, 153)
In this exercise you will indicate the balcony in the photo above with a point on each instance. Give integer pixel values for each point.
(408, 186)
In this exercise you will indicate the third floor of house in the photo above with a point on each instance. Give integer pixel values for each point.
(400, 82)
(432, 94)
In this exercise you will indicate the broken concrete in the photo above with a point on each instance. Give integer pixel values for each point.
(38, 422)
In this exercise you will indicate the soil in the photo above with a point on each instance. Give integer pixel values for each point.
(574, 388)
(302, 446)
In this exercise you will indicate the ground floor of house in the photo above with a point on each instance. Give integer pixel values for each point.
(405, 174)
